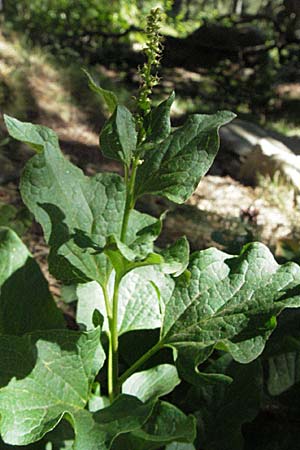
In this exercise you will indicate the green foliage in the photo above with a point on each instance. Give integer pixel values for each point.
(72, 26)
(194, 305)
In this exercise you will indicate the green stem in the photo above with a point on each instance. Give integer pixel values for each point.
(129, 205)
(113, 363)
(107, 301)
(140, 362)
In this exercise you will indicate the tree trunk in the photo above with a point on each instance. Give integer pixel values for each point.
(237, 7)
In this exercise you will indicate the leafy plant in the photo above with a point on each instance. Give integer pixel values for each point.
(52, 377)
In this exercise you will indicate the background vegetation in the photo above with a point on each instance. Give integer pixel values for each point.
(243, 55)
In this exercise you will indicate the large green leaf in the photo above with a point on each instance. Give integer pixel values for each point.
(174, 167)
(43, 376)
(222, 409)
(152, 383)
(77, 213)
(118, 137)
(25, 301)
(98, 431)
(283, 371)
(142, 293)
(281, 358)
(166, 424)
(230, 302)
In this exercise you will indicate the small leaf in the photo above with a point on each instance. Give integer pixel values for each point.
(152, 383)
(139, 251)
(158, 123)
(176, 257)
(174, 168)
(44, 376)
(108, 96)
(122, 264)
(118, 137)
(25, 301)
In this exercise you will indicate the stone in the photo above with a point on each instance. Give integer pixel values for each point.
(248, 150)
(269, 157)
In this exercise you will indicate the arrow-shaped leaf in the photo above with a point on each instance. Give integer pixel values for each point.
(174, 167)
(118, 137)
(158, 123)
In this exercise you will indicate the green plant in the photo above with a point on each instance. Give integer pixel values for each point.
(52, 378)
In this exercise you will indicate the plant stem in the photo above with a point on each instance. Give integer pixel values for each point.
(107, 301)
(140, 362)
(113, 363)
(129, 205)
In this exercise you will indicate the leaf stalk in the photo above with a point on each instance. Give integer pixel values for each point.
(132, 369)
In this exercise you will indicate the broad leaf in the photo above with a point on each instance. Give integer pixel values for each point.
(157, 123)
(62, 200)
(152, 383)
(282, 357)
(118, 137)
(230, 302)
(284, 372)
(174, 167)
(25, 301)
(142, 295)
(44, 376)
(98, 431)
(108, 96)
(222, 409)
(166, 424)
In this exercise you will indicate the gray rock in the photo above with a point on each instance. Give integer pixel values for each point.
(248, 150)
(267, 157)
(240, 136)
